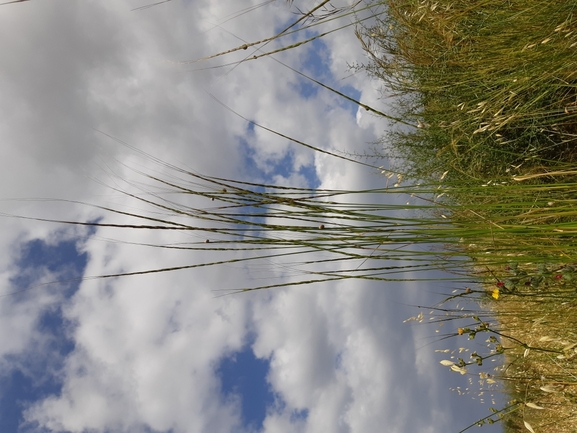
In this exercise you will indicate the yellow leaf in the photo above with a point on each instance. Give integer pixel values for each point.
(528, 426)
(458, 369)
(495, 294)
(549, 388)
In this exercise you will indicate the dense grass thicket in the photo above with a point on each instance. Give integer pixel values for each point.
(490, 86)
(491, 83)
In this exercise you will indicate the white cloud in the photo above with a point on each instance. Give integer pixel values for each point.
(339, 352)
(145, 356)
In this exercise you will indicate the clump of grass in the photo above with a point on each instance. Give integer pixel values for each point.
(353, 234)
(526, 319)
(492, 85)
(485, 110)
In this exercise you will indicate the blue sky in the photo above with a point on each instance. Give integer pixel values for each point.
(29, 379)
(244, 376)
(164, 352)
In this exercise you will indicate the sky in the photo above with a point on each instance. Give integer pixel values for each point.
(94, 95)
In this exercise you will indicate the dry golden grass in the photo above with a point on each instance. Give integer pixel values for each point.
(539, 337)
